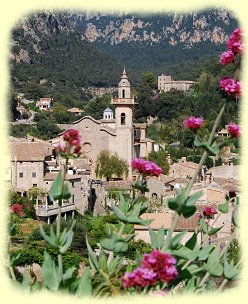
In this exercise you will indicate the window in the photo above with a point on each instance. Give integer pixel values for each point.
(34, 185)
(33, 174)
(123, 118)
(123, 93)
(20, 174)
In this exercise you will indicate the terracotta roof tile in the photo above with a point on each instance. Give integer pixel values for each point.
(29, 151)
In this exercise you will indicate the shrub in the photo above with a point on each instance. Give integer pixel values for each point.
(140, 246)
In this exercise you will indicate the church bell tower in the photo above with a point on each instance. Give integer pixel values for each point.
(124, 103)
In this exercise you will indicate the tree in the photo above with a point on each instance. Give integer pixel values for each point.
(14, 113)
(160, 158)
(108, 165)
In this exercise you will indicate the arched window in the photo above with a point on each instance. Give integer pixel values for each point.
(123, 93)
(123, 118)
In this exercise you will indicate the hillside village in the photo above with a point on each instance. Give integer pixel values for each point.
(34, 163)
(124, 153)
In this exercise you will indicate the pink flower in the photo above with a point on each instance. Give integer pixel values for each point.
(235, 41)
(146, 167)
(209, 212)
(163, 264)
(156, 266)
(230, 86)
(193, 123)
(17, 209)
(70, 146)
(140, 277)
(226, 57)
(233, 129)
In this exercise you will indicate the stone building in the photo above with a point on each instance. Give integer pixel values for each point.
(116, 133)
(27, 162)
(44, 104)
(165, 84)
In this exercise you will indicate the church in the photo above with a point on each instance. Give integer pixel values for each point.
(115, 132)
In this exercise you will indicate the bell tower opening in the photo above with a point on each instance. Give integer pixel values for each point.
(123, 118)
(123, 93)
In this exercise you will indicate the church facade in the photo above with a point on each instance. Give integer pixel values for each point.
(116, 132)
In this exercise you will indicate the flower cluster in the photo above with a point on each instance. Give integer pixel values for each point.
(234, 130)
(146, 167)
(193, 123)
(17, 209)
(227, 57)
(235, 48)
(235, 42)
(70, 146)
(230, 86)
(155, 266)
(209, 212)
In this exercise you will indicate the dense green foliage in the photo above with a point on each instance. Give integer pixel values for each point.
(160, 158)
(65, 61)
(109, 166)
(27, 204)
(134, 246)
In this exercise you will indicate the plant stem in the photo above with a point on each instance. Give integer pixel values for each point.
(60, 264)
(121, 229)
(11, 270)
(207, 275)
(222, 285)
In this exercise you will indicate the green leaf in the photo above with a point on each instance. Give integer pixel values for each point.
(68, 241)
(15, 260)
(84, 288)
(188, 211)
(194, 198)
(224, 207)
(212, 150)
(157, 239)
(230, 272)
(185, 253)
(68, 274)
(138, 258)
(176, 239)
(203, 225)
(49, 240)
(92, 257)
(120, 246)
(55, 192)
(173, 204)
(191, 284)
(235, 218)
(192, 242)
(204, 252)
(214, 230)
(119, 214)
(213, 265)
(50, 273)
(66, 192)
(123, 204)
(26, 281)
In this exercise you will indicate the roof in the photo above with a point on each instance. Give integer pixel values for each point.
(75, 110)
(166, 179)
(159, 220)
(121, 184)
(51, 176)
(108, 110)
(29, 150)
(190, 223)
(165, 220)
